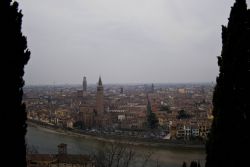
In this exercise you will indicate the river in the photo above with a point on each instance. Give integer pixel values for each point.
(46, 141)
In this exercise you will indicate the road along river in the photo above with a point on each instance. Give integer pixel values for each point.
(46, 141)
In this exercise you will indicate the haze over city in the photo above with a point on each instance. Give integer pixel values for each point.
(132, 41)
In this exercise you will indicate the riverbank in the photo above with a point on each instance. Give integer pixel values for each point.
(145, 142)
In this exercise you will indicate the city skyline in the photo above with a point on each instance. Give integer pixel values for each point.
(84, 84)
(124, 42)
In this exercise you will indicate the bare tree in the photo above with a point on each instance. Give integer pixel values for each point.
(116, 154)
(31, 149)
(146, 156)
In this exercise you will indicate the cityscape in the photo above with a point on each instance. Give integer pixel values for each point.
(135, 83)
(182, 113)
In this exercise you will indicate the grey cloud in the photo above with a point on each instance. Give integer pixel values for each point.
(124, 41)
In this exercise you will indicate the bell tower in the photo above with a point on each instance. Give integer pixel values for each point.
(99, 97)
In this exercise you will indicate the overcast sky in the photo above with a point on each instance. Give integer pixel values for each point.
(124, 41)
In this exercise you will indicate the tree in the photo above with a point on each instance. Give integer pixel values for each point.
(117, 154)
(151, 117)
(31, 149)
(79, 125)
(182, 114)
(184, 164)
(193, 164)
(14, 55)
(165, 108)
(229, 139)
(152, 121)
(114, 154)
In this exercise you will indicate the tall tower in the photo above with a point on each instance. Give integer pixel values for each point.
(99, 97)
(152, 88)
(84, 84)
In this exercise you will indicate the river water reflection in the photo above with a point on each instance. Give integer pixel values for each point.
(46, 141)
